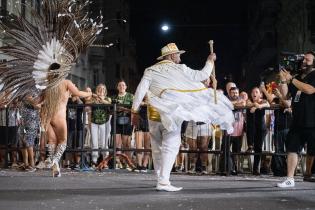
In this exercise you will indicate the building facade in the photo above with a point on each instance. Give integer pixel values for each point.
(111, 57)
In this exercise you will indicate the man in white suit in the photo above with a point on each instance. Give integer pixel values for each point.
(177, 94)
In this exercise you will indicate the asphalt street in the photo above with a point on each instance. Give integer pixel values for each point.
(129, 190)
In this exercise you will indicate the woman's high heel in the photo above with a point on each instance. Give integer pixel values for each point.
(55, 159)
(56, 169)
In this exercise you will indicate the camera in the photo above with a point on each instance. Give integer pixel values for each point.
(291, 62)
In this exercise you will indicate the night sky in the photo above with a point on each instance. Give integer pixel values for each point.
(194, 24)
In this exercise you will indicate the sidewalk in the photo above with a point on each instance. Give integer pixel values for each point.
(126, 190)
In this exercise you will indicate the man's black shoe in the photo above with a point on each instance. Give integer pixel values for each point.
(309, 178)
(234, 173)
(256, 173)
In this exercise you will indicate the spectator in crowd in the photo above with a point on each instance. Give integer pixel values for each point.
(123, 124)
(179, 165)
(75, 131)
(42, 148)
(228, 86)
(29, 128)
(244, 96)
(88, 119)
(142, 137)
(268, 94)
(302, 130)
(256, 125)
(237, 136)
(9, 127)
(283, 120)
(100, 122)
(237, 100)
(282, 116)
(198, 135)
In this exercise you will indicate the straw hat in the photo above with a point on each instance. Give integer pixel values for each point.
(170, 48)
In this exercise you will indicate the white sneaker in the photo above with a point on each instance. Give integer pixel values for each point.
(191, 170)
(288, 182)
(41, 165)
(167, 188)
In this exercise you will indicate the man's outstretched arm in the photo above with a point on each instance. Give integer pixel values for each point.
(204, 73)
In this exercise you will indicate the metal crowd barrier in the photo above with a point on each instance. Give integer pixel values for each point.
(113, 150)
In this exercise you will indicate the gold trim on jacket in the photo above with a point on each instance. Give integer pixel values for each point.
(183, 91)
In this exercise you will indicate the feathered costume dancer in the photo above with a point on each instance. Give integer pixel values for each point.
(47, 46)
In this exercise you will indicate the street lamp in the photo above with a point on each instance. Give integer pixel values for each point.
(165, 27)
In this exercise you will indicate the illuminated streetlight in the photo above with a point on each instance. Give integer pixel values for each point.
(165, 27)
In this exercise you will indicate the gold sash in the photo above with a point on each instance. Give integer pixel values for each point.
(153, 114)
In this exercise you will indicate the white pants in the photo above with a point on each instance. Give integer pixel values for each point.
(165, 146)
(100, 138)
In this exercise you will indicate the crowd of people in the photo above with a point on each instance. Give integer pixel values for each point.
(89, 125)
(174, 107)
(264, 119)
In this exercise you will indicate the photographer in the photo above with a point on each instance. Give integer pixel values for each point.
(301, 88)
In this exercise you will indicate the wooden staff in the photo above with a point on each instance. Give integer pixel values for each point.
(213, 72)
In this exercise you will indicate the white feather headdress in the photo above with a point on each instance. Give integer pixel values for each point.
(58, 33)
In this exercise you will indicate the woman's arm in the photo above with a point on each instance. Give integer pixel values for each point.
(75, 91)
(286, 102)
(249, 103)
(262, 105)
(270, 97)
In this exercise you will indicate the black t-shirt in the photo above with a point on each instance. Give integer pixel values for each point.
(303, 107)
(74, 116)
(256, 120)
(143, 112)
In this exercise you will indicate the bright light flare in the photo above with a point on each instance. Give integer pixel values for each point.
(165, 28)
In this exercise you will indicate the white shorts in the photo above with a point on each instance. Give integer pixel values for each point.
(193, 130)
